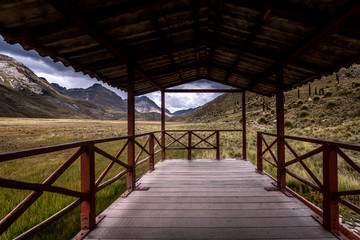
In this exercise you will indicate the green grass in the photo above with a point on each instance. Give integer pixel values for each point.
(28, 133)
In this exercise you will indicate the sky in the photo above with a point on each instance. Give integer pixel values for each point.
(56, 72)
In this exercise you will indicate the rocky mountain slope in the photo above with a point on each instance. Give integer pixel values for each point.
(96, 93)
(23, 94)
(105, 97)
(182, 112)
(328, 102)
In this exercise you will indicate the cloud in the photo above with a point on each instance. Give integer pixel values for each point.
(180, 101)
(56, 72)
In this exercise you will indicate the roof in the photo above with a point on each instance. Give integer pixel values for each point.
(240, 43)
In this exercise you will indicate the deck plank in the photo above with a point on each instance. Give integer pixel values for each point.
(207, 199)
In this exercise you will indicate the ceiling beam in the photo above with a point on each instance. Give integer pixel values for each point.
(219, 7)
(203, 90)
(314, 39)
(258, 24)
(196, 35)
(164, 42)
(69, 10)
(281, 8)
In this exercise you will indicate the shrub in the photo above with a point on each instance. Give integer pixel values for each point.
(263, 120)
(316, 99)
(355, 84)
(330, 104)
(305, 107)
(288, 124)
(328, 94)
(299, 103)
(303, 114)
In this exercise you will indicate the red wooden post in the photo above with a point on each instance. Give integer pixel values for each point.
(244, 124)
(151, 151)
(259, 151)
(88, 214)
(218, 144)
(330, 181)
(131, 129)
(163, 125)
(281, 174)
(189, 145)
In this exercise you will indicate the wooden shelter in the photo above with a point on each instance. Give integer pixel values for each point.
(265, 47)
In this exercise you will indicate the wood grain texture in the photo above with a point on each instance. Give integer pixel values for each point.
(207, 199)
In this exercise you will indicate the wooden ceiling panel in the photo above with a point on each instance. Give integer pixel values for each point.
(240, 43)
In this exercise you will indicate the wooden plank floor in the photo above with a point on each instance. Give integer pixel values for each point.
(207, 199)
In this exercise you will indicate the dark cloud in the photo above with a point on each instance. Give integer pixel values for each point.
(56, 72)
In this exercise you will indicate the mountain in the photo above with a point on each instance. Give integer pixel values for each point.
(105, 97)
(23, 94)
(144, 104)
(331, 101)
(182, 112)
(96, 93)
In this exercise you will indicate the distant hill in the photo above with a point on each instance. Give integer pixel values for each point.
(96, 93)
(23, 94)
(324, 102)
(105, 97)
(182, 112)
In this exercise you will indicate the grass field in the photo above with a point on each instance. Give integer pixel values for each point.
(17, 134)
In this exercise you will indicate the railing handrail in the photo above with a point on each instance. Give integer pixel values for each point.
(329, 185)
(349, 146)
(6, 156)
(89, 184)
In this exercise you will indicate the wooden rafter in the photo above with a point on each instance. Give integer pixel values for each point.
(259, 23)
(67, 9)
(219, 7)
(164, 42)
(195, 15)
(317, 37)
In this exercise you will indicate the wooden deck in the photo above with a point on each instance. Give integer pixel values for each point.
(207, 199)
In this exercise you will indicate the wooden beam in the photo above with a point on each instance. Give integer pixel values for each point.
(259, 23)
(243, 111)
(203, 90)
(131, 129)
(195, 15)
(163, 125)
(219, 7)
(314, 39)
(280, 129)
(69, 10)
(164, 42)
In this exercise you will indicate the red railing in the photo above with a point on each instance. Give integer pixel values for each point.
(327, 185)
(192, 140)
(86, 151)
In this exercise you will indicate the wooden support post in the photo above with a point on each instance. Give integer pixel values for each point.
(218, 145)
(131, 129)
(330, 181)
(163, 125)
(244, 125)
(259, 151)
(151, 151)
(281, 174)
(88, 214)
(189, 145)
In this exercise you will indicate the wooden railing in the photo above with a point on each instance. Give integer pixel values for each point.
(192, 140)
(327, 185)
(86, 152)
